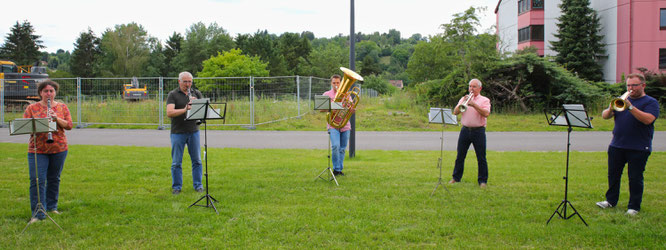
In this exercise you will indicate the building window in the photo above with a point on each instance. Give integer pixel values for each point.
(536, 33)
(537, 4)
(523, 6)
(662, 19)
(531, 33)
(527, 5)
(662, 58)
(524, 34)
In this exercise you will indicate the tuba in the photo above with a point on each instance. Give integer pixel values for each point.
(619, 104)
(348, 98)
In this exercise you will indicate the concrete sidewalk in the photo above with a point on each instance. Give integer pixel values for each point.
(497, 141)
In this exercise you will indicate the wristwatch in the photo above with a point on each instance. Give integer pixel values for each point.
(630, 107)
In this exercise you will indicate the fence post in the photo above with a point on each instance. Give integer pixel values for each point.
(310, 93)
(2, 101)
(252, 103)
(78, 103)
(159, 102)
(298, 94)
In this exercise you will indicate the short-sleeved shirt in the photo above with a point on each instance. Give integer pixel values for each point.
(471, 118)
(331, 93)
(178, 124)
(39, 110)
(629, 132)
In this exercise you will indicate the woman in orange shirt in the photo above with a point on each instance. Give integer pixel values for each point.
(50, 156)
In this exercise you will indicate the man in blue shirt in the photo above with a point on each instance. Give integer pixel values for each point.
(631, 144)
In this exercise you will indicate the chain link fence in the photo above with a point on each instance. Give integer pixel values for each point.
(250, 101)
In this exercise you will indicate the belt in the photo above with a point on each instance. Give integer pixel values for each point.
(473, 128)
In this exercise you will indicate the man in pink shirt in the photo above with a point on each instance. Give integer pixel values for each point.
(473, 131)
(339, 137)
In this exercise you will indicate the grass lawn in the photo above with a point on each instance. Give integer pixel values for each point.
(119, 197)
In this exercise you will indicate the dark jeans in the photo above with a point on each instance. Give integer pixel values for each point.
(617, 158)
(476, 137)
(49, 167)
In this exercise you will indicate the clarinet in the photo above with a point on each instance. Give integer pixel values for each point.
(48, 109)
(191, 94)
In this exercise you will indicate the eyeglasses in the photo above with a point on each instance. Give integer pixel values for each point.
(187, 81)
(634, 85)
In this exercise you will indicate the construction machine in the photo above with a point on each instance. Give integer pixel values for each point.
(19, 84)
(133, 92)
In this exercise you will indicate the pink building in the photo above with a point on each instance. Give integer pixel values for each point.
(634, 31)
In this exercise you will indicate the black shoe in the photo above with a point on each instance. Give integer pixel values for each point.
(199, 190)
(336, 173)
(175, 191)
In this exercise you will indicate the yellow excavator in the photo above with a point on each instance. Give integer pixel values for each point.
(132, 91)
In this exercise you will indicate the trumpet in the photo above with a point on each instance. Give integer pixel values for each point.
(619, 104)
(48, 109)
(339, 118)
(463, 106)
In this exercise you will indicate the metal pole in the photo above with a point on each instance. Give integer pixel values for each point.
(252, 103)
(160, 103)
(2, 101)
(298, 94)
(352, 66)
(78, 103)
(309, 92)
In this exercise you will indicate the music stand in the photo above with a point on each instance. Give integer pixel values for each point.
(570, 115)
(443, 116)
(202, 111)
(33, 126)
(324, 102)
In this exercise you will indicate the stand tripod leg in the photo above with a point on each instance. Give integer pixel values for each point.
(330, 170)
(563, 213)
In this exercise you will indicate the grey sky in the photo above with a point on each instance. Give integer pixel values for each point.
(60, 22)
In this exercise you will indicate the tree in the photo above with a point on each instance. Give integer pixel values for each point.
(580, 41)
(265, 46)
(326, 60)
(85, 57)
(295, 50)
(230, 64)
(22, 45)
(202, 42)
(171, 51)
(125, 49)
(157, 60)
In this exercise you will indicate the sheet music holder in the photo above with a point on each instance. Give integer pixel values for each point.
(441, 116)
(324, 102)
(570, 115)
(23, 126)
(33, 126)
(201, 111)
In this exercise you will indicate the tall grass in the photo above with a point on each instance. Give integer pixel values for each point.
(398, 112)
(119, 197)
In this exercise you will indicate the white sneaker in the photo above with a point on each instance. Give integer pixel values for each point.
(604, 204)
(632, 212)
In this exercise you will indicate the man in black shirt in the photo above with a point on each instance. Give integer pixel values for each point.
(184, 133)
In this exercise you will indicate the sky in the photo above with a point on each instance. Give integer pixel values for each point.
(60, 22)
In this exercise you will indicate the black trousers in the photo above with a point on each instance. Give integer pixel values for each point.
(476, 137)
(636, 161)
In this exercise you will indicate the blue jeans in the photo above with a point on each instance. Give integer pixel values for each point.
(178, 142)
(476, 137)
(338, 146)
(635, 160)
(49, 167)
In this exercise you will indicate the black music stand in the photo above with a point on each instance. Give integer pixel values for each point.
(570, 115)
(324, 102)
(33, 126)
(443, 116)
(202, 111)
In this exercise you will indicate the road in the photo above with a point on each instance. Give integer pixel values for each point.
(365, 140)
